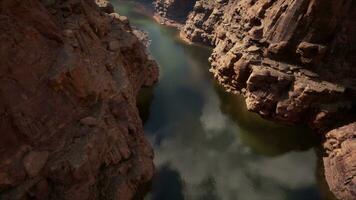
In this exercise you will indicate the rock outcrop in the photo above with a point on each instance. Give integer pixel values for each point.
(69, 126)
(340, 161)
(202, 22)
(293, 61)
(173, 12)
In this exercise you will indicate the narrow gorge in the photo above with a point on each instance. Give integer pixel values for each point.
(178, 99)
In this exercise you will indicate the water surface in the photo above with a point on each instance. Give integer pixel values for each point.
(207, 145)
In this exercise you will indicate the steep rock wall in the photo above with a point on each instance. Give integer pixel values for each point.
(293, 61)
(69, 126)
(340, 161)
(305, 43)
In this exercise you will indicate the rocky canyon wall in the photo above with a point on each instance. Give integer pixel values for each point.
(294, 62)
(69, 127)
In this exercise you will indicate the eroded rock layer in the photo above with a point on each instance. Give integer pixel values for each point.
(294, 61)
(69, 126)
(340, 161)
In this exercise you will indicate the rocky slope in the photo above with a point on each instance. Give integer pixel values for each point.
(69, 126)
(294, 61)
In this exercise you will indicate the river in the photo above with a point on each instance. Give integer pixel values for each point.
(207, 145)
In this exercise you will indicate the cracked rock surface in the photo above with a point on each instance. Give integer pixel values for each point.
(340, 161)
(69, 127)
(292, 60)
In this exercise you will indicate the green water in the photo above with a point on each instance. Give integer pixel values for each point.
(207, 145)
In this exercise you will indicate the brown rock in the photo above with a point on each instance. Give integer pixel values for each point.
(176, 10)
(114, 45)
(105, 6)
(340, 161)
(291, 45)
(60, 90)
(310, 53)
(90, 121)
(34, 162)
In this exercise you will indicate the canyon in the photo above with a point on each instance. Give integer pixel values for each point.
(293, 61)
(70, 72)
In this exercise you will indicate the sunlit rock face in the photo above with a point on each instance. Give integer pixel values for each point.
(69, 126)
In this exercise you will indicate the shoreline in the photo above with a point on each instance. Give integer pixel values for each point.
(234, 71)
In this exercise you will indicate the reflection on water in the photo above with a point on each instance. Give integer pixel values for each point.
(265, 137)
(207, 145)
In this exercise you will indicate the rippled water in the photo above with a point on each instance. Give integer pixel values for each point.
(207, 145)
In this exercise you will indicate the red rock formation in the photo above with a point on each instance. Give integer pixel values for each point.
(202, 22)
(340, 161)
(278, 54)
(69, 126)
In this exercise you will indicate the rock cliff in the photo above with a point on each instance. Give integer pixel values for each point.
(340, 161)
(69, 127)
(294, 62)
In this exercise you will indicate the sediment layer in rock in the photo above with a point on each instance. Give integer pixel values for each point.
(293, 61)
(69, 126)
